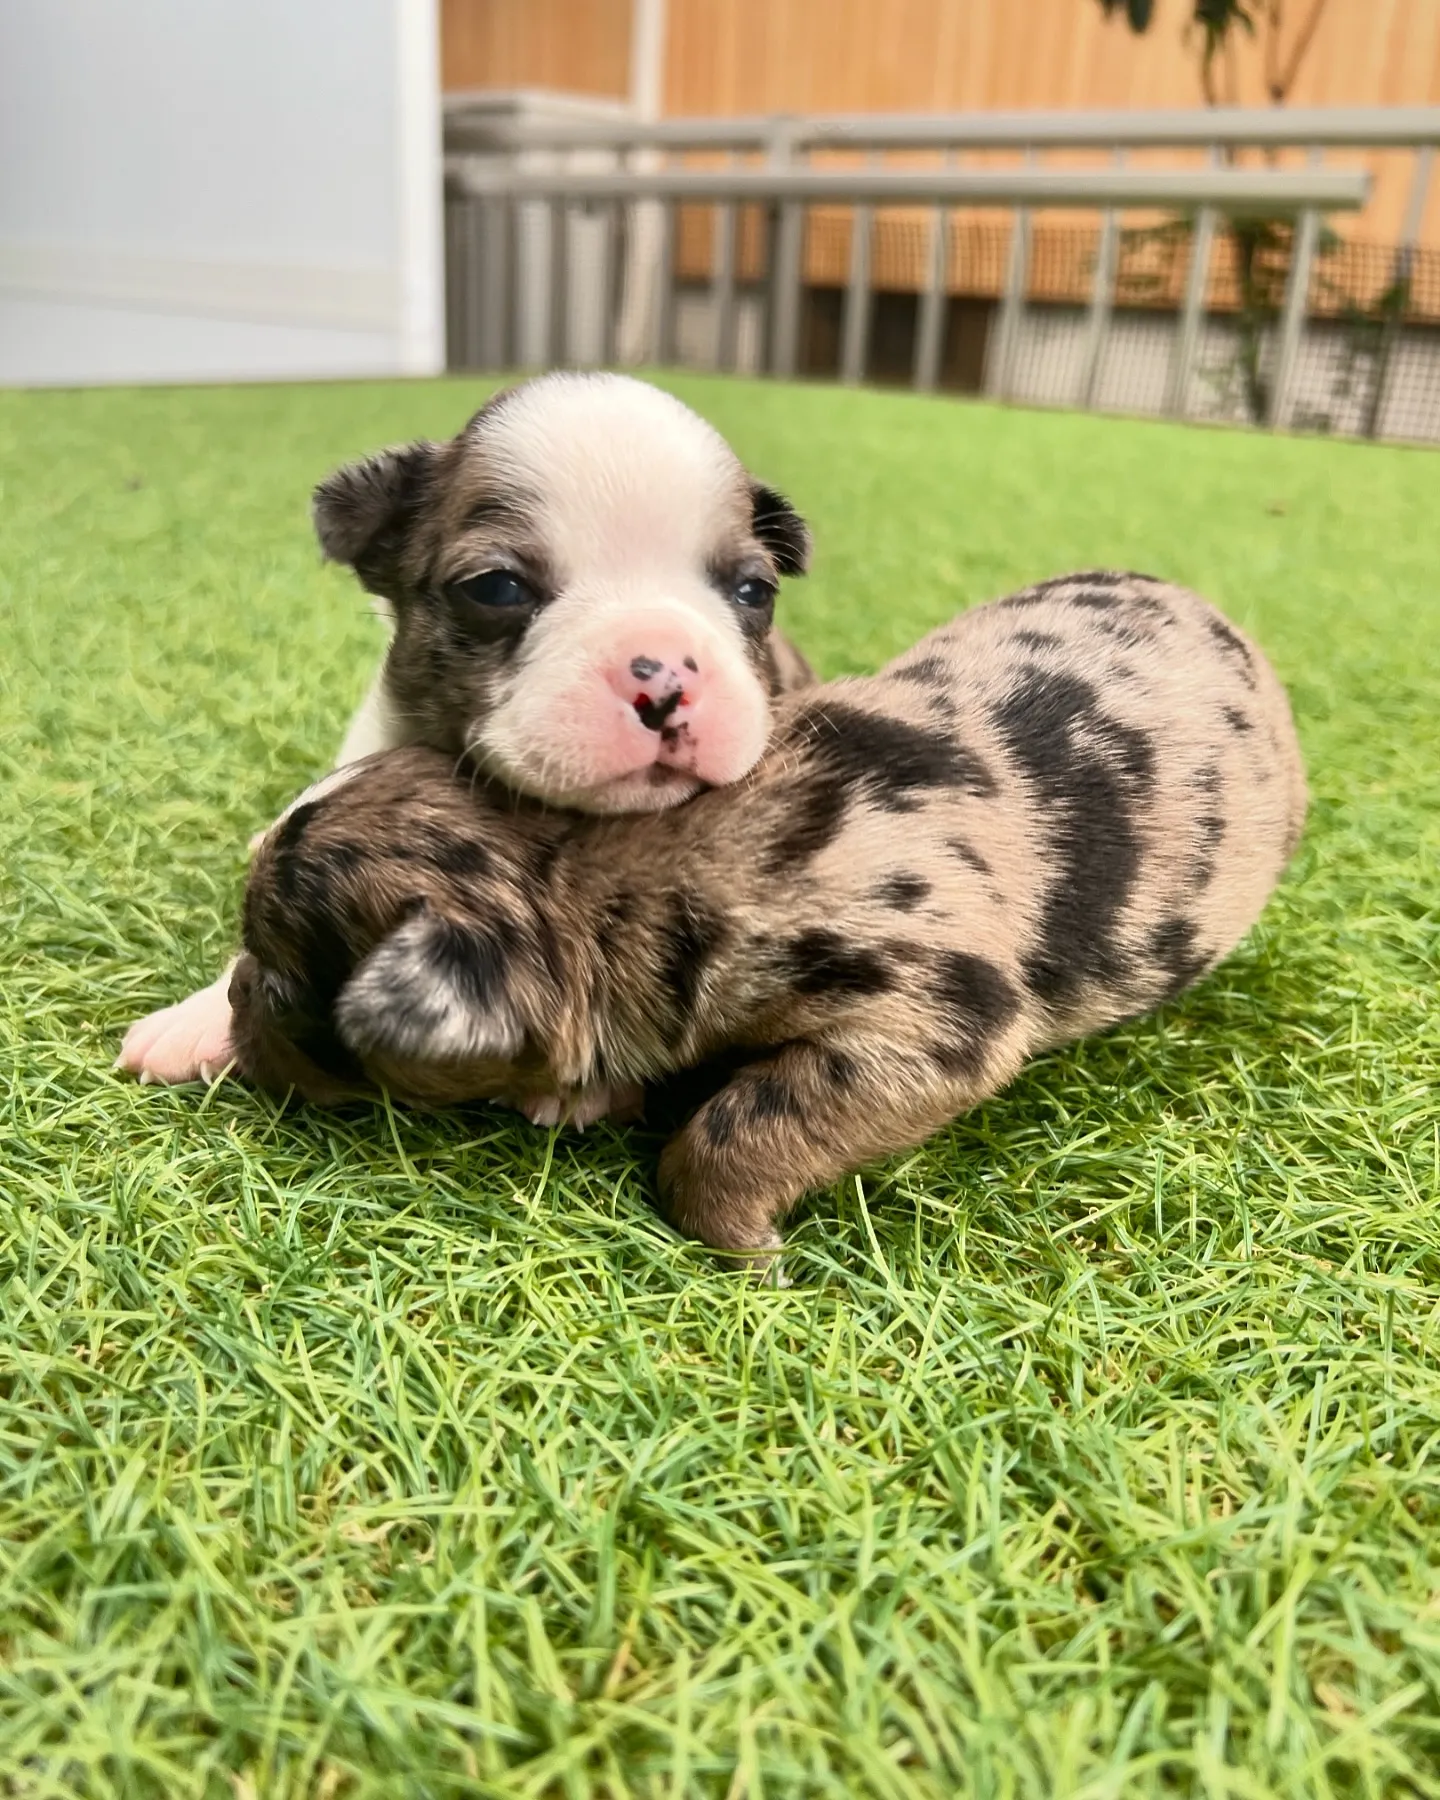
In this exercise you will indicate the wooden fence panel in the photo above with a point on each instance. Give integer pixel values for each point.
(749, 56)
(577, 46)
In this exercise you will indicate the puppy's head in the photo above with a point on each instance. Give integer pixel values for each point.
(584, 586)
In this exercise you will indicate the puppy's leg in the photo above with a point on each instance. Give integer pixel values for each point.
(800, 1120)
(192, 1040)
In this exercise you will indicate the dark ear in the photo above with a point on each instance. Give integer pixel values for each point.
(780, 529)
(363, 513)
(433, 990)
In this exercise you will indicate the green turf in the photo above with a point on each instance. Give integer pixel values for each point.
(1096, 1450)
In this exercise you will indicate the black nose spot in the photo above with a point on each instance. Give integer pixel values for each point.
(654, 713)
(643, 667)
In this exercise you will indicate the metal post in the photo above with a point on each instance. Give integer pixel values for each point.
(1292, 316)
(722, 285)
(665, 299)
(1399, 281)
(930, 328)
(494, 281)
(559, 283)
(1292, 320)
(1102, 301)
(454, 209)
(608, 277)
(789, 249)
(475, 296)
(1000, 363)
(930, 323)
(1187, 334)
(855, 334)
(786, 266)
(457, 284)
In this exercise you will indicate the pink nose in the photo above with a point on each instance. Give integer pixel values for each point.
(658, 687)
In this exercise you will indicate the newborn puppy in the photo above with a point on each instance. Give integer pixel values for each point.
(1051, 815)
(582, 584)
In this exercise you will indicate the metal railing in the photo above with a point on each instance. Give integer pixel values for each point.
(518, 195)
(467, 127)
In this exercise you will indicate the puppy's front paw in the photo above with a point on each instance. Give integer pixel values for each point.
(187, 1042)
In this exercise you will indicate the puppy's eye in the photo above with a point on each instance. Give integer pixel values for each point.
(752, 591)
(495, 587)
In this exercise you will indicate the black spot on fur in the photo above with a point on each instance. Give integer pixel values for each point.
(458, 856)
(473, 959)
(815, 812)
(975, 1001)
(902, 890)
(1208, 780)
(1104, 578)
(719, 1116)
(925, 671)
(543, 857)
(767, 1098)
(1237, 720)
(690, 936)
(968, 854)
(821, 962)
(1088, 771)
(942, 707)
(841, 1071)
(1172, 944)
(1037, 640)
(883, 760)
(1234, 646)
(1093, 588)
(1127, 635)
(612, 918)
(1122, 609)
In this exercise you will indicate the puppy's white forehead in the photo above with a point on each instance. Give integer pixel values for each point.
(622, 476)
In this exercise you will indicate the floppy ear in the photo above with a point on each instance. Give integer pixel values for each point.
(363, 512)
(780, 529)
(435, 990)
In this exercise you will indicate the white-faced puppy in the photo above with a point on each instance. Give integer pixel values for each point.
(1051, 815)
(582, 585)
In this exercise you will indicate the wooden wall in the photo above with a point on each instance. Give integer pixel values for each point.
(579, 46)
(749, 56)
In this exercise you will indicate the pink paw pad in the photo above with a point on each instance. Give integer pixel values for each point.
(186, 1042)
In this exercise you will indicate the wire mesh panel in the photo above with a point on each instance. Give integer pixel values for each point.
(1139, 304)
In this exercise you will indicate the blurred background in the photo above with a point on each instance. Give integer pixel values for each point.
(1215, 209)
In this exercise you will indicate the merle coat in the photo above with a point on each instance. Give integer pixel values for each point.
(1052, 814)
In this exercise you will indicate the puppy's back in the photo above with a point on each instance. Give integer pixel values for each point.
(1152, 759)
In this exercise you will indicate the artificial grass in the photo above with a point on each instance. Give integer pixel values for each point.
(1093, 1452)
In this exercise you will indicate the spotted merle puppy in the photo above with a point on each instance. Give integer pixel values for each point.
(582, 586)
(1051, 815)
